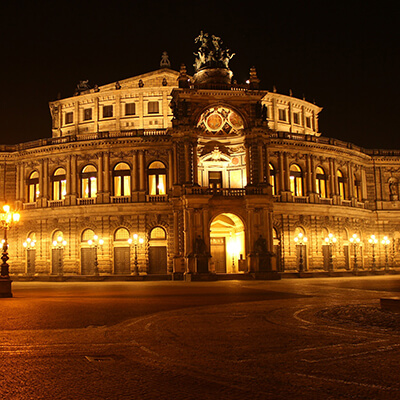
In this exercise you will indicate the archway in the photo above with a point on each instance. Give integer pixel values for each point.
(227, 246)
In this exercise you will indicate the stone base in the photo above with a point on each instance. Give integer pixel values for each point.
(267, 276)
(5, 288)
(391, 304)
(200, 277)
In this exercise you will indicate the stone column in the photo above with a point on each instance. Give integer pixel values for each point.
(134, 172)
(267, 171)
(106, 188)
(170, 169)
(100, 188)
(248, 170)
(261, 173)
(195, 170)
(187, 162)
(142, 171)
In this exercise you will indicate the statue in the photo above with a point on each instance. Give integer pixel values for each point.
(82, 86)
(211, 53)
(393, 190)
(200, 247)
(260, 245)
(165, 63)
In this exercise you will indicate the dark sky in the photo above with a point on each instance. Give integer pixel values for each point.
(345, 56)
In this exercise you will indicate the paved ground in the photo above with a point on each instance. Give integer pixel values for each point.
(289, 339)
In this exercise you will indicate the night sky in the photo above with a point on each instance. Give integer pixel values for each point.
(344, 57)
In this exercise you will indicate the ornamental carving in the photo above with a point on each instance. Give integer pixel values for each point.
(220, 121)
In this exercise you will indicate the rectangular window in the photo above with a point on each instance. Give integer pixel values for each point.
(87, 114)
(153, 107)
(308, 122)
(296, 118)
(130, 109)
(107, 111)
(69, 118)
(282, 114)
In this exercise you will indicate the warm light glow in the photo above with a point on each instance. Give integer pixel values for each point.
(385, 241)
(6, 208)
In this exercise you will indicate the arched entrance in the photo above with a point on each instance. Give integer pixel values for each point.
(227, 244)
(158, 251)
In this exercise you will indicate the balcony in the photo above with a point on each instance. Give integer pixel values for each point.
(157, 198)
(120, 199)
(55, 203)
(86, 201)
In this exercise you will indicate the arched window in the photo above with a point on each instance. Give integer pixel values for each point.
(321, 179)
(89, 181)
(122, 179)
(157, 178)
(158, 233)
(33, 187)
(296, 180)
(272, 178)
(121, 235)
(59, 183)
(341, 185)
(87, 235)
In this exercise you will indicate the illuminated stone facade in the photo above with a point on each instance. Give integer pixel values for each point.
(214, 177)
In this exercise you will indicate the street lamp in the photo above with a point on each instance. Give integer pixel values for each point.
(301, 240)
(373, 241)
(385, 241)
(95, 243)
(29, 244)
(330, 240)
(355, 241)
(135, 242)
(7, 219)
(59, 245)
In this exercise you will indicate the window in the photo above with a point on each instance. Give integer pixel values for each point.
(308, 122)
(153, 107)
(87, 114)
(107, 111)
(89, 181)
(59, 181)
(296, 118)
(157, 177)
(158, 233)
(122, 179)
(282, 114)
(33, 187)
(121, 234)
(296, 180)
(321, 182)
(272, 178)
(341, 185)
(87, 235)
(130, 109)
(215, 180)
(69, 118)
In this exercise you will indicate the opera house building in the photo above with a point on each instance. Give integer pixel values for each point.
(182, 176)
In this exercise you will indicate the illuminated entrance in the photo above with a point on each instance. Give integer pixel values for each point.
(226, 243)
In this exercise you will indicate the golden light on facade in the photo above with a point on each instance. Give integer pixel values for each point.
(136, 242)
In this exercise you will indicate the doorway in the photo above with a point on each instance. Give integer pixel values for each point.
(226, 243)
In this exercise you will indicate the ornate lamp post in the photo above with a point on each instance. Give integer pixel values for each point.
(95, 243)
(373, 241)
(385, 241)
(135, 242)
(330, 240)
(300, 239)
(355, 241)
(7, 218)
(59, 245)
(29, 244)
